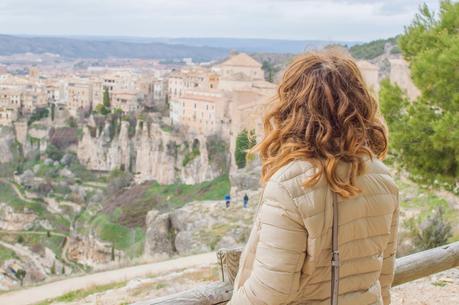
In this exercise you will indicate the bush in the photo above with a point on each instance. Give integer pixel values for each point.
(54, 153)
(71, 122)
(433, 232)
(118, 180)
(37, 115)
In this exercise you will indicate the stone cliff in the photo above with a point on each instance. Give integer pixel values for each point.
(151, 153)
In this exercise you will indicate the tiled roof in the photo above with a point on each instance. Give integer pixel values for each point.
(241, 60)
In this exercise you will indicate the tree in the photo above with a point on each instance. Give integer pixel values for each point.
(244, 142)
(71, 122)
(37, 115)
(53, 268)
(54, 153)
(101, 109)
(425, 133)
(20, 275)
(106, 98)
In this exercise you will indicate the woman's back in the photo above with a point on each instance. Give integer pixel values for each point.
(292, 240)
(323, 136)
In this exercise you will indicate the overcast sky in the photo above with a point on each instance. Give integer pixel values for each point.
(288, 19)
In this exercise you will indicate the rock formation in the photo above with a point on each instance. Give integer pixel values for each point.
(11, 220)
(7, 139)
(90, 251)
(198, 227)
(151, 153)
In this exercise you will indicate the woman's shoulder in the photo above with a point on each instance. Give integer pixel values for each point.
(292, 170)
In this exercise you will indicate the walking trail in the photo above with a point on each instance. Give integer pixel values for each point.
(41, 293)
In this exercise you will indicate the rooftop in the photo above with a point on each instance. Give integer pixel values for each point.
(241, 60)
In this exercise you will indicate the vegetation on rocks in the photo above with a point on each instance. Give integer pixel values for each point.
(191, 154)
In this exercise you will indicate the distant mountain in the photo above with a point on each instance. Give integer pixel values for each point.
(200, 49)
(256, 45)
(104, 48)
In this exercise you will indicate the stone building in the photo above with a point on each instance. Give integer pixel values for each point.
(179, 81)
(239, 72)
(8, 115)
(11, 98)
(200, 111)
(127, 101)
(79, 96)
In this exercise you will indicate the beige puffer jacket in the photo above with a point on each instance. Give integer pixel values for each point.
(287, 257)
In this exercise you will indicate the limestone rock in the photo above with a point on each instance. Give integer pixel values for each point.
(151, 153)
(7, 139)
(200, 226)
(247, 178)
(159, 237)
(11, 220)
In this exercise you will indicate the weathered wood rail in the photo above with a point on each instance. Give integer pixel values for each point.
(408, 268)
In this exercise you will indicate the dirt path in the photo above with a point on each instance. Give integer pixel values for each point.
(52, 290)
(32, 233)
(16, 190)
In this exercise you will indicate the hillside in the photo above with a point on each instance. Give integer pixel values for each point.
(80, 48)
(375, 48)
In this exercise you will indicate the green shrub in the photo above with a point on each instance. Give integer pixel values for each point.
(244, 142)
(54, 153)
(191, 155)
(37, 115)
(433, 232)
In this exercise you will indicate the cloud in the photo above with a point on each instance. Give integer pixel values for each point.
(300, 19)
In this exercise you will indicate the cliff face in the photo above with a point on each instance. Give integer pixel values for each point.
(7, 139)
(151, 153)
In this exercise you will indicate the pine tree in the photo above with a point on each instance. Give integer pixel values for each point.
(425, 133)
(106, 100)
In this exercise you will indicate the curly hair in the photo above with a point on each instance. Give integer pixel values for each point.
(323, 113)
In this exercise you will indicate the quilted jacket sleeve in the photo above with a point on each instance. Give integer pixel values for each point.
(388, 267)
(280, 252)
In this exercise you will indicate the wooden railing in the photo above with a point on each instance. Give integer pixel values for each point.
(408, 268)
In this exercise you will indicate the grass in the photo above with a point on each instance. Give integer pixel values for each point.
(6, 254)
(33, 240)
(136, 202)
(9, 196)
(425, 201)
(213, 235)
(176, 195)
(76, 295)
(128, 239)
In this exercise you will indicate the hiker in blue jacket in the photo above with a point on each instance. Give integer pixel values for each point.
(246, 201)
(227, 200)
